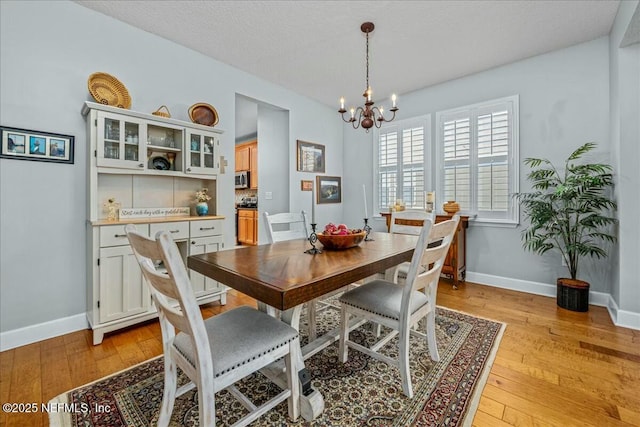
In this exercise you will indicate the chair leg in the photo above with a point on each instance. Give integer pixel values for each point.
(169, 394)
(343, 349)
(431, 335)
(311, 319)
(405, 375)
(293, 382)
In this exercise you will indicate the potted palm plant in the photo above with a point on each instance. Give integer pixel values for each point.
(569, 210)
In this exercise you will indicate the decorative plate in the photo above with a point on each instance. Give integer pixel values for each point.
(203, 114)
(160, 163)
(108, 90)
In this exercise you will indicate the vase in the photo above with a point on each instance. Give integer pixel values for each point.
(202, 208)
(451, 207)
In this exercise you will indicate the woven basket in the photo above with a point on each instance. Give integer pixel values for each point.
(161, 113)
(108, 90)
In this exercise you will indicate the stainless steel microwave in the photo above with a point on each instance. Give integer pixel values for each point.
(242, 179)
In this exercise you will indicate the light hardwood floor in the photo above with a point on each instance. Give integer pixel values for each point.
(554, 367)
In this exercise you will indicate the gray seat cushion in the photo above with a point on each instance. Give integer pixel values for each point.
(382, 298)
(238, 336)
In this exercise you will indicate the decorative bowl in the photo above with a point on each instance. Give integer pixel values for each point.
(451, 207)
(339, 242)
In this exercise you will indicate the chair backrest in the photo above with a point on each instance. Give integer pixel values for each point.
(428, 259)
(408, 221)
(286, 226)
(169, 282)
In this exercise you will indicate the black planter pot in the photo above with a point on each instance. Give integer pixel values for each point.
(573, 294)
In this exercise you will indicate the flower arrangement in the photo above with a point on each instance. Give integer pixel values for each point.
(202, 196)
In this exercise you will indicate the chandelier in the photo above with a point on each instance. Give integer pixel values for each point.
(367, 116)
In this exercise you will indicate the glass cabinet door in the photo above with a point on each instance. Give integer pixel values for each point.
(202, 153)
(118, 142)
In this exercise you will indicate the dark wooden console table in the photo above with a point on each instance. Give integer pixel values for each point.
(455, 265)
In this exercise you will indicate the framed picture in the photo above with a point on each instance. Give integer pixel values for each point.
(23, 144)
(329, 189)
(310, 157)
(306, 185)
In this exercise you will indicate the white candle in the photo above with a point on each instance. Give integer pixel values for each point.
(313, 205)
(364, 194)
(342, 103)
(393, 99)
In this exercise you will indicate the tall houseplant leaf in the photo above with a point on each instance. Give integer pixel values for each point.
(570, 209)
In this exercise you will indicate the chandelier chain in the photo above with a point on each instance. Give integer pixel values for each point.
(367, 87)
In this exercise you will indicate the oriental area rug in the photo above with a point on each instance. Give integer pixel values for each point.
(362, 392)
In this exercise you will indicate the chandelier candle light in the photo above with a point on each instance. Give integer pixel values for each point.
(367, 116)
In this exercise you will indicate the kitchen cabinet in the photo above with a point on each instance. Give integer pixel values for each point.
(248, 226)
(247, 160)
(243, 162)
(253, 163)
(146, 162)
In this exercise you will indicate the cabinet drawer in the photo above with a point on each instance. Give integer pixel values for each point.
(207, 227)
(247, 213)
(114, 235)
(179, 230)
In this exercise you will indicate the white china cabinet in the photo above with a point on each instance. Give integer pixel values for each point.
(147, 163)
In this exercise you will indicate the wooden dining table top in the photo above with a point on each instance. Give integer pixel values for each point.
(283, 276)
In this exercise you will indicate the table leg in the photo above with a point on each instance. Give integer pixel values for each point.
(311, 401)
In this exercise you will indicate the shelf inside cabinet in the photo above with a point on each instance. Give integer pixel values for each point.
(161, 149)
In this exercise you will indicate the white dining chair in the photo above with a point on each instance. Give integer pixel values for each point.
(407, 222)
(401, 307)
(217, 352)
(288, 226)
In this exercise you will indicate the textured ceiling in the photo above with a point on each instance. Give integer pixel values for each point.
(316, 48)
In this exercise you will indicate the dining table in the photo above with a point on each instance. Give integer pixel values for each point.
(283, 276)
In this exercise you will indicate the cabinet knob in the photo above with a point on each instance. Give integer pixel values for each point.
(207, 228)
(188, 169)
(174, 231)
(141, 165)
(119, 235)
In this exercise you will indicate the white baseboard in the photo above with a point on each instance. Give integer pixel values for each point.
(42, 331)
(627, 319)
(619, 317)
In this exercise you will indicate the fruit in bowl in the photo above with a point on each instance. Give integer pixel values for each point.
(336, 237)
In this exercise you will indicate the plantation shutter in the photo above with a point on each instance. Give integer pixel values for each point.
(413, 167)
(493, 168)
(401, 163)
(457, 183)
(387, 169)
(478, 159)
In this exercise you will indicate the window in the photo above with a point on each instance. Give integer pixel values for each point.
(401, 163)
(477, 159)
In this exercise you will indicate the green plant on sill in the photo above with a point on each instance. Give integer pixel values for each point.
(568, 211)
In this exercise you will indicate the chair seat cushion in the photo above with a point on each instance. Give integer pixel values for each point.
(382, 298)
(238, 336)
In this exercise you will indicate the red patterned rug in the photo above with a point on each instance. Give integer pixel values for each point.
(362, 392)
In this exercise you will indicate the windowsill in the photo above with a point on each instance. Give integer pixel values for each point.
(488, 222)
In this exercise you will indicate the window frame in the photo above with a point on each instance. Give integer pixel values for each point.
(511, 217)
(425, 122)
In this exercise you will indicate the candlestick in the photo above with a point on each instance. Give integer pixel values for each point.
(313, 204)
(364, 194)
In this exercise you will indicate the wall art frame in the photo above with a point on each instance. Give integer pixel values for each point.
(24, 144)
(329, 189)
(310, 157)
(306, 185)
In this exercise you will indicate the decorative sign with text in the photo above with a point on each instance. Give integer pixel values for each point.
(130, 213)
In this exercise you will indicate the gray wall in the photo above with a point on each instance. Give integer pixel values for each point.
(625, 144)
(564, 102)
(48, 50)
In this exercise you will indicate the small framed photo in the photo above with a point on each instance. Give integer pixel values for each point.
(306, 185)
(23, 144)
(329, 189)
(310, 157)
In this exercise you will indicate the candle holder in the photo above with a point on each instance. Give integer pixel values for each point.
(367, 229)
(313, 238)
